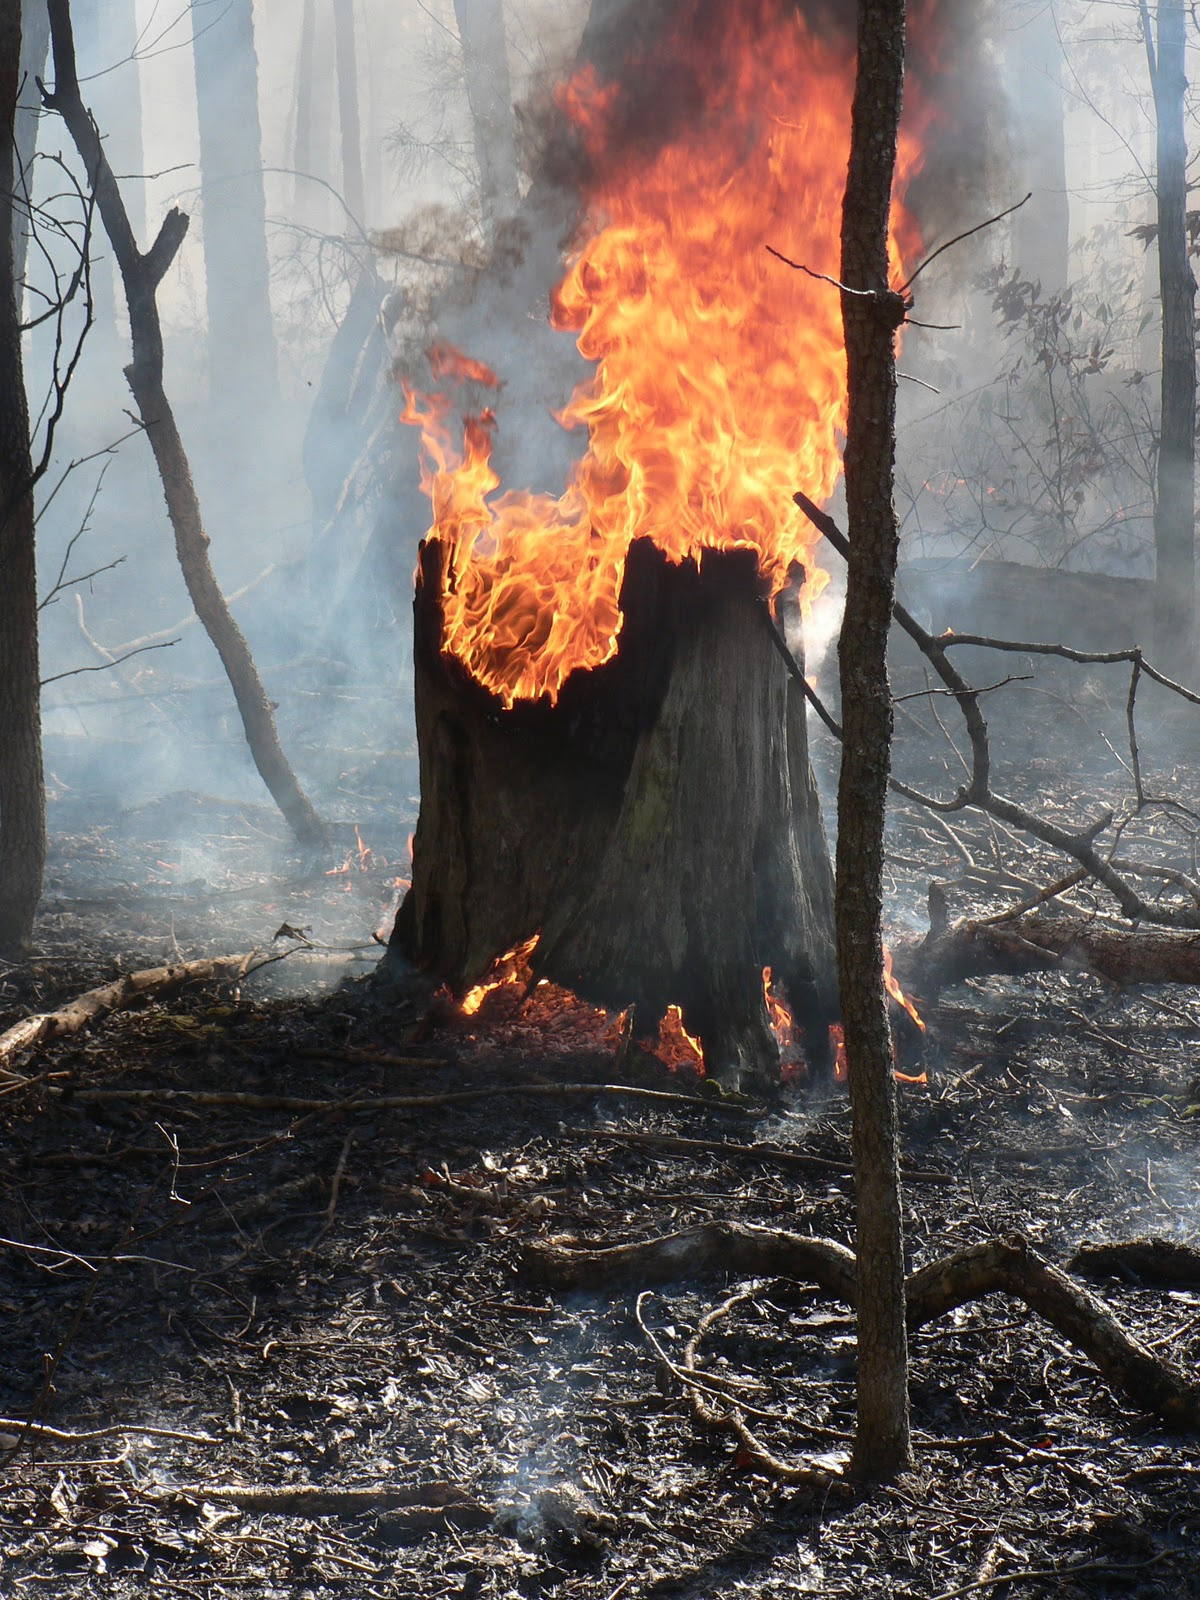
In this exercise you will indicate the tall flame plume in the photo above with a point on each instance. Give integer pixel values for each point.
(720, 378)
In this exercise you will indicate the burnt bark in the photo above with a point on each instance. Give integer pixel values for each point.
(871, 313)
(22, 791)
(658, 828)
(1174, 511)
(141, 273)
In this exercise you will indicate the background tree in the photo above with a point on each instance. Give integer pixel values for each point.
(489, 94)
(1175, 506)
(242, 358)
(871, 313)
(22, 793)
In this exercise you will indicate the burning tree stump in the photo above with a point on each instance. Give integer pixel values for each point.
(657, 828)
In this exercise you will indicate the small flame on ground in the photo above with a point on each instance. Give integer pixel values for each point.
(896, 992)
(837, 1039)
(783, 1024)
(510, 968)
(676, 1046)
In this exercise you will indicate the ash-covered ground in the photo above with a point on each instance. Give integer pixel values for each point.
(283, 1224)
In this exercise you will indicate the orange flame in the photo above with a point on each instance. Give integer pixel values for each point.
(896, 992)
(783, 1024)
(720, 381)
(676, 1046)
(510, 968)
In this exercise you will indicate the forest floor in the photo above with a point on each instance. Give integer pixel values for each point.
(283, 1325)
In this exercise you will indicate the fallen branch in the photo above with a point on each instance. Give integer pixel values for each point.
(426, 1504)
(1008, 1266)
(1033, 943)
(14, 1430)
(413, 1102)
(1162, 1262)
(149, 983)
(976, 792)
(770, 1154)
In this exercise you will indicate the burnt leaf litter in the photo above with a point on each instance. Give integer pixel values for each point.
(293, 1351)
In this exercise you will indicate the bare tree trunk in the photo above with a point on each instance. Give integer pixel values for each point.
(22, 792)
(35, 42)
(347, 81)
(141, 273)
(489, 93)
(1174, 512)
(871, 313)
(1041, 229)
(242, 363)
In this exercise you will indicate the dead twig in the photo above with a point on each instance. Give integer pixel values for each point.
(15, 1427)
(149, 983)
(413, 1102)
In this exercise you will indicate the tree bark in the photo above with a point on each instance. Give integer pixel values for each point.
(871, 313)
(658, 828)
(489, 94)
(1174, 512)
(22, 791)
(242, 363)
(141, 273)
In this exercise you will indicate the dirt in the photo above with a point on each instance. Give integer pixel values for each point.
(330, 1300)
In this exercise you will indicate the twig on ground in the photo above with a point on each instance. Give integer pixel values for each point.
(87, 1008)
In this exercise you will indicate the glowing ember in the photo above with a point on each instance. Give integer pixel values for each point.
(720, 382)
(510, 968)
(896, 992)
(676, 1047)
(782, 1022)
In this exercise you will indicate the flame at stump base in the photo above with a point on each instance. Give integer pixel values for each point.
(658, 827)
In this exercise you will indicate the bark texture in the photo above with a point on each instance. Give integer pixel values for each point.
(141, 273)
(1174, 512)
(22, 792)
(242, 362)
(871, 314)
(658, 828)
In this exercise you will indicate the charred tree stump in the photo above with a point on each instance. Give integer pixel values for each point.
(658, 828)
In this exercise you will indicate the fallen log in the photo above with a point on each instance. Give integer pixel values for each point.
(149, 983)
(1121, 955)
(1010, 1266)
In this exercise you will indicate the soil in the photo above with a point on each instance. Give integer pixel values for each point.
(324, 1312)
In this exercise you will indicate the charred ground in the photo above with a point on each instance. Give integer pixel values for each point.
(331, 1298)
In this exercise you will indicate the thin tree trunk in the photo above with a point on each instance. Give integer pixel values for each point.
(1041, 229)
(141, 273)
(242, 363)
(22, 792)
(35, 42)
(489, 94)
(347, 81)
(871, 316)
(1174, 513)
(302, 146)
